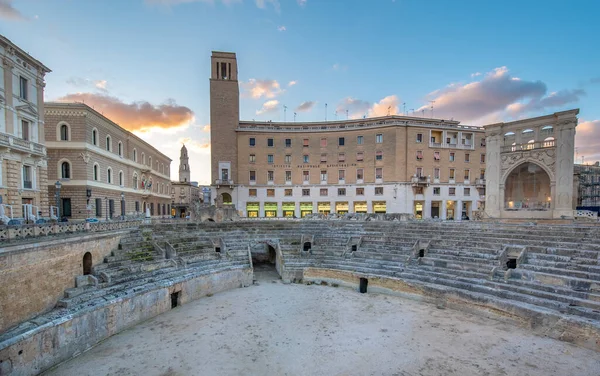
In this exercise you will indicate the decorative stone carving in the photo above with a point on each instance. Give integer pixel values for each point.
(544, 157)
(86, 157)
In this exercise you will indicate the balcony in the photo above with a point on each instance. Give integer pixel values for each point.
(420, 181)
(529, 146)
(444, 145)
(19, 145)
(219, 183)
(480, 183)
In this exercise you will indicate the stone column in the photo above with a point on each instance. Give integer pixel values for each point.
(443, 209)
(427, 209)
(458, 210)
(8, 91)
(565, 146)
(493, 171)
(41, 139)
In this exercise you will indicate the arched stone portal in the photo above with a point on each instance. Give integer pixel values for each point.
(527, 187)
(87, 263)
(265, 260)
(226, 198)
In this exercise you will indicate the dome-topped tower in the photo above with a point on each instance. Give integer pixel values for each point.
(184, 166)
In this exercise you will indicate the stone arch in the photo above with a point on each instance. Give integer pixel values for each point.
(529, 186)
(64, 166)
(87, 263)
(95, 135)
(226, 197)
(530, 160)
(63, 131)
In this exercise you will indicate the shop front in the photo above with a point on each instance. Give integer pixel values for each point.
(252, 209)
(360, 207)
(450, 210)
(341, 207)
(289, 209)
(418, 211)
(324, 207)
(435, 209)
(270, 209)
(305, 209)
(379, 207)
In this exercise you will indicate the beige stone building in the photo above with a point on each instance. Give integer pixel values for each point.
(23, 168)
(105, 171)
(184, 193)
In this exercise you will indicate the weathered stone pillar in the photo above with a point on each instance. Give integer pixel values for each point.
(493, 196)
(443, 210)
(8, 90)
(41, 139)
(563, 192)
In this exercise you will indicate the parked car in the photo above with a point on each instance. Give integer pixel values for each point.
(40, 221)
(92, 220)
(16, 222)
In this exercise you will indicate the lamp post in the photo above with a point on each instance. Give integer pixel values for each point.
(57, 185)
(122, 205)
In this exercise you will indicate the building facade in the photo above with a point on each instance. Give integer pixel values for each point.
(23, 167)
(104, 170)
(432, 168)
(587, 183)
(184, 193)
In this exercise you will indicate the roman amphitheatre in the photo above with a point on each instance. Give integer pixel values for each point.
(376, 295)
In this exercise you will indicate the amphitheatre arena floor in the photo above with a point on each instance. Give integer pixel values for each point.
(275, 329)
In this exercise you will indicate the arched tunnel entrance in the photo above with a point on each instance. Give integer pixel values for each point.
(265, 261)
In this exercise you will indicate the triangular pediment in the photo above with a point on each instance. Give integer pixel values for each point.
(28, 109)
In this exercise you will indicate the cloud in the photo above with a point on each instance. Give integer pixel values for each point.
(292, 83)
(497, 92)
(355, 107)
(587, 140)
(136, 116)
(302, 3)
(475, 74)
(9, 12)
(306, 106)
(87, 83)
(268, 107)
(194, 145)
(206, 128)
(281, 28)
(262, 88)
(386, 106)
(262, 4)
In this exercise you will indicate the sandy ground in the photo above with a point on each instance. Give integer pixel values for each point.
(277, 329)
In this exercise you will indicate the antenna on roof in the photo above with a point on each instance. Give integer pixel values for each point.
(404, 108)
(294, 117)
(336, 115)
(432, 103)
(423, 112)
(346, 114)
(389, 109)
(325, 111)
(413, 111)
(284, 112)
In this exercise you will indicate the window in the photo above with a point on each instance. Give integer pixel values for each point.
(419, 138)
(134, 155)
(360, 191)
(287, 192)
(288, 142)
(418, 190)
(225, 174)
(323, 192)
(108, 143)
(379, 173)
(436, 173)
(323, 158)
(270, 159)
(436, 191)
(64, 132)
(467, 157)
(467, 174)
(359, 174)
(270, 192)
(419, 171)
(324, 175)
(65, 170)
(95, 139)
(252, 192)
(341, 157)
(270, 142)
(96, 177)
(467, 192)
(306, 192)
(252, 175)
(482, 158)
(252, 142)
(135, 182)
(379, 138)
(270, 175)
(288, 176)
(121, 178)
(436, 155)
(65, 204)
(379, 155)
(482, 173)
(359, 140)
(323, 142)
(137, 206)
(378, 191)
(341, 141)
(143, 158)
(252, 158)
(452, 191)
(360, 156)
(305, 142)
(27, 177)
(305, 175)
(109, 176)
(341, 191)
(288, 159)
(341, 175)
(451, 157)
(451, 175)
(98, 207)
(121, 149)
(305, 158)
(419, 155)
(24, 129)
(23, 88)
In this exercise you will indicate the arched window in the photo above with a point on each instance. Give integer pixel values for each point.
(150, 162)
(121, 178)
(548, 142)
(135, 181)
(64, 132)
(143, 158)
(96, 172)
(65, 170)
(120, 149)
(109, 175)
(108, 143)
(95, 137)
(134, 155)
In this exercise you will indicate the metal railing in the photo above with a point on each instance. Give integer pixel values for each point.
(529, 146)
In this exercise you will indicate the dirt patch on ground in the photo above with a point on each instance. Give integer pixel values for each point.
(277, 329)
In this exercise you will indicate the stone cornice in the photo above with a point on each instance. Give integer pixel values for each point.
(113, 187)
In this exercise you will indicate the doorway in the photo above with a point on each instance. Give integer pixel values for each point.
(264, 260)
(87, 263)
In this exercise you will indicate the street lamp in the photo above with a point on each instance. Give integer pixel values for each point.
(57, 185)
(122, 205)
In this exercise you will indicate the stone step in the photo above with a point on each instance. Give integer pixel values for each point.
(451, 264)
(562, 272)
(577, 284)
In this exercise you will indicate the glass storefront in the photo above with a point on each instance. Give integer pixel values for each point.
(360, 207)
(341, 207)
(270, 209)
(252, 209)
(379, 207)
(305, 208)
(289, 209)
(324, 207)
(418, 209)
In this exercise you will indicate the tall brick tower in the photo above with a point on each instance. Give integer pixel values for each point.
(224, 119)
(184, 166)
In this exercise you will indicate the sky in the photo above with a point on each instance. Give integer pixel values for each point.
(146, 63)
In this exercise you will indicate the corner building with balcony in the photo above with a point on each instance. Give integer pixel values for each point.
(431, 168)
(23, 167)
(104, 170)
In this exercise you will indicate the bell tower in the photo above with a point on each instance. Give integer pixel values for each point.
(224, 117)
(184, 166)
